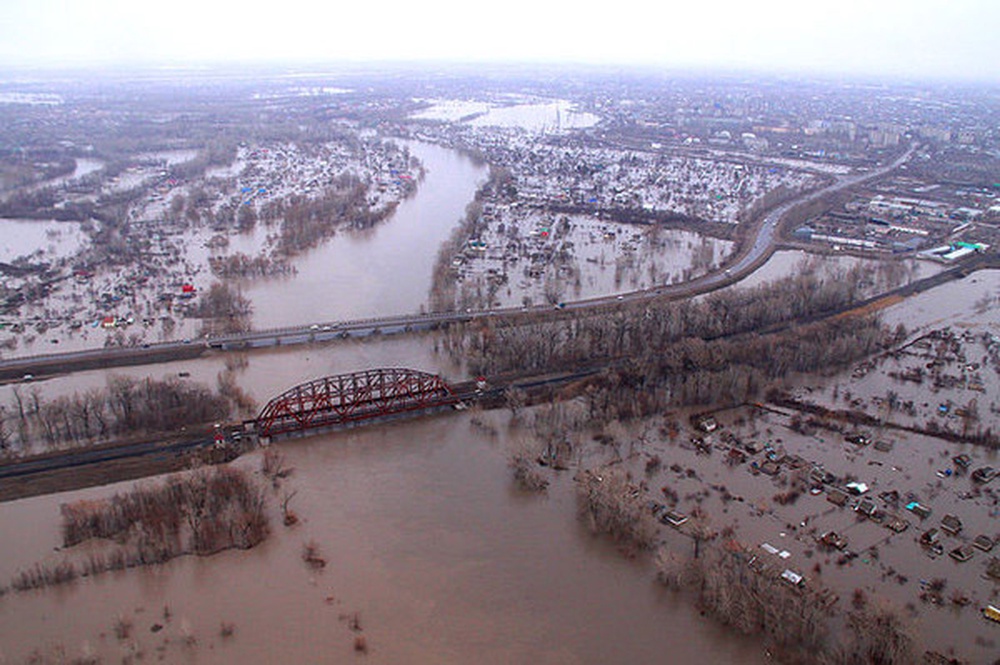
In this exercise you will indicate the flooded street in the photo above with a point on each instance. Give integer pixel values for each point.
(425, 539)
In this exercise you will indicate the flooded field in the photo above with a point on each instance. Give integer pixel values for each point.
(426, 543)
(788, 262)
(44, 241)
(525, 114)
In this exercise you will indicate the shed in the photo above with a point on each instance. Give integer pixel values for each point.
(897, 524)
(817, 476)
(857, 488)
(736, 456)
(962, 553)
(673, 518)
(929, 537)
(837, 496)
(951, 524)
(859, 440)
(984, 474)
(792, 578)
(707, 423)
(993, 568)
(983, 542)
(866, 507)
(834, 540)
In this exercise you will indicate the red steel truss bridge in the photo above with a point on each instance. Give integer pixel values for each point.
(350, 398)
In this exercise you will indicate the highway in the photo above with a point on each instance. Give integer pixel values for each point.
(750, 257)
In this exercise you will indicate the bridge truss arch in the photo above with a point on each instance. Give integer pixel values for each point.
(346, 398)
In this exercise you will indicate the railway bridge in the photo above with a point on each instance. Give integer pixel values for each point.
(351, 398)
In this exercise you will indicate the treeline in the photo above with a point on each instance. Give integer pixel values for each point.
(492, 346)
(199, 513)
(609, 503)
(793, 621)
(19, 168)
(221, 152)
(685, 353)
(41, 204)
(224, 309)
(125, 406)
(306, 221)
(729, 371)
(243, 265)
(443, 286)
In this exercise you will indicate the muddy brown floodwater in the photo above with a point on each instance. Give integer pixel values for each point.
(380, 271)
(425, 539)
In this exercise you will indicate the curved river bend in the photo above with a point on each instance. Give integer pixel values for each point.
(424, 536)
(380, 271)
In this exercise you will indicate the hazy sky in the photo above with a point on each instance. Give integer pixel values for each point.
(951, 38)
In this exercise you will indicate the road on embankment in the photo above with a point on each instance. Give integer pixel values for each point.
(114, 462)
(751, 256)
(76, 468)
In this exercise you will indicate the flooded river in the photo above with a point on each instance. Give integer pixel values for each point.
(425, 539)
(357, 274)
(383, 270)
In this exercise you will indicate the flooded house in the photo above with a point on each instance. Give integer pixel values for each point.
(951, 525)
